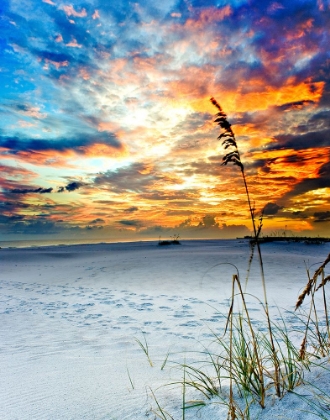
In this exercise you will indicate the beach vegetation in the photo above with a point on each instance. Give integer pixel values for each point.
(237, 369)
(250, 363)
(130, 378)
(233, 156)
(145, 348)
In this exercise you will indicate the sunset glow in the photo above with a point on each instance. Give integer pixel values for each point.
(107, 126)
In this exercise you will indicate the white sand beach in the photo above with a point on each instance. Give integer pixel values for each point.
(70, 317)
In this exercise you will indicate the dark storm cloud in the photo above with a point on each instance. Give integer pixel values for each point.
(96, 221)
(72, 186)
(304, 141)
(21, 107)
(320, 120)
(34, 227)
(271, 209)
(293, 105)
(12, 206)
(131, 209)
(4, 219)
(134, 223)
(17, 144)
(29, 191)
(322, 216)
(93, 227)
(208, 221)
(311, 184)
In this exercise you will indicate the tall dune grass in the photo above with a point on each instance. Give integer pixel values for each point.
(248, 364)
(233, 156)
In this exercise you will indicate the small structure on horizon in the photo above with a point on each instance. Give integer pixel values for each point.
(173, 241)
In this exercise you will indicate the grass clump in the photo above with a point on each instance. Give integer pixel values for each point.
(247, 364)
(233, 156)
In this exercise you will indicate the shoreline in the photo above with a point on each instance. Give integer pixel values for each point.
(42, 244)
(47, 243)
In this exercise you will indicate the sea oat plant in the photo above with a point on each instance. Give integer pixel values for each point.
(312, 286)
(233, 156)
(248, 361)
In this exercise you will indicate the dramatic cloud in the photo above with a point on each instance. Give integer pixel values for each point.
(311, 184)
(208, 221)
(106, 119)
(271, 209)
(97, 221)
(137, 177)
(135, 223)
(15, 145)
(72, 186)
(28, 191)
(322, 216)
(131, 209)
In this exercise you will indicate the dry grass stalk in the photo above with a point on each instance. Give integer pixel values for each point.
(323, 283)
(258, 372)
(234, 157)
(310, 289)
(312, 282)
(231, 413)
(302, 351)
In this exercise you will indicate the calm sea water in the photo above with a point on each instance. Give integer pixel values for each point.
(54, 242)
(27, 243)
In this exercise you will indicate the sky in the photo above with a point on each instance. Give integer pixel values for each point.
(107, 130)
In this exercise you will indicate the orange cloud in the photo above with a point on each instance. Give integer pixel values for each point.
(300, 30)
(100, 149)
(284, 169)
(258, 96)
(66, 158)
(16, 172)
(74, 44)
(48, 158)
(107, 126)
(208, 16)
